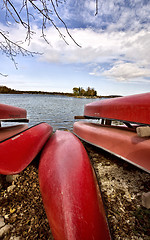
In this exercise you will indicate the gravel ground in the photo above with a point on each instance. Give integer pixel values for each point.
(122, 185)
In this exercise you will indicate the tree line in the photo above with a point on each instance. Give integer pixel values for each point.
(90, 92)
(79, 91)
(6, 90)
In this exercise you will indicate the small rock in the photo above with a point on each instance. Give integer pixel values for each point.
(4, 230)
(14, 238)
(107, 163)
(95, 155)
(12, 178)
(6, 216)
(10, 188)
(146, 200)
(2, 223)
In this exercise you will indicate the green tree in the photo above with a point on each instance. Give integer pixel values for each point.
(90, 92)
(76, 91)
(81, 92)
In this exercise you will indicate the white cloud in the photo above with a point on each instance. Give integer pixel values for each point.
(90, 5)
(127, 71)
(126, 54)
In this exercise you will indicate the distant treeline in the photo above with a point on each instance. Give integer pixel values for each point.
(6, 90)
(90, 92)
(77, 92)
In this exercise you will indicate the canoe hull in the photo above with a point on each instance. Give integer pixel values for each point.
(7, 132)
(8, 112)
(134, 108)
(70, 191)
(17, 151)
(119, 141)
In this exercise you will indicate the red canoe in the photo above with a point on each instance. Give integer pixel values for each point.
(135, 108)
(11, 113)
(7, 132)
(70, 192)
(121, 141)
(19, 145)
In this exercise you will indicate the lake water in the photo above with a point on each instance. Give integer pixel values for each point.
(58, 111)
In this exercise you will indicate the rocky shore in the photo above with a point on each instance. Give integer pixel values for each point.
(123, 189)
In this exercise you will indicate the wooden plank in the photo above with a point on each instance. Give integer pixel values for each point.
(15, 120)
(79, 117)
(143, 131)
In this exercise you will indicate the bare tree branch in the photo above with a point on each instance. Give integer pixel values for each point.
(12, 49)
(6, 3)
(63, 23)
(45, 10)
(23, 14)
(96, 7)
(4, 75)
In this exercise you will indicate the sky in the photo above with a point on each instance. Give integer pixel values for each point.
(113, 57)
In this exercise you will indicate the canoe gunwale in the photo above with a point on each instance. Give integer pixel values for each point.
(113, 153)
(113, 119)
(110, 119)
(20, 131)
(15, 120)
(122, 127)
(89, 132)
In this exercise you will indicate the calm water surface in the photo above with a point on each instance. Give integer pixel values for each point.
(58, 111)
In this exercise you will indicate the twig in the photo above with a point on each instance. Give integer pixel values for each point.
(12, 49)
(4, 75)
(96, 7)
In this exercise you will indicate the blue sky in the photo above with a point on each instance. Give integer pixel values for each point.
(114, 55)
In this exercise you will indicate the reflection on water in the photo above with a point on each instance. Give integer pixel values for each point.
(58, 111)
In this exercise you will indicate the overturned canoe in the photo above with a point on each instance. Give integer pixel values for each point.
(19, 145)
(11, 113)
(134, 109)
(70, 192)
(120, 141)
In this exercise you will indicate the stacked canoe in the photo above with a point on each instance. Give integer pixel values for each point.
(19, 144)
(12, 114)
(129, 141)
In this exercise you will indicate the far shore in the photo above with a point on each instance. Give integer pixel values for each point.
(6, 90)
